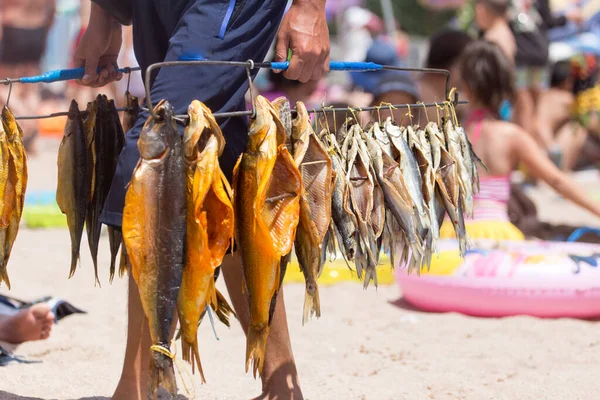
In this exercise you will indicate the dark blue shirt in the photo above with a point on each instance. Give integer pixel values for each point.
(121, 10)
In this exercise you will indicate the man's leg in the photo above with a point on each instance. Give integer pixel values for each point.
(280, 377)
(134, 377)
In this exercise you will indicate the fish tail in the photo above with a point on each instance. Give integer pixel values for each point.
(370, 275)
(124, 262)
(312, 303)
(223, 309)
(256, 344)
(4, 276)
(161, 373)
(74, 260)
(190, 353)
(114, 238)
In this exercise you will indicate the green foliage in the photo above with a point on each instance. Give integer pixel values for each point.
(414, 18)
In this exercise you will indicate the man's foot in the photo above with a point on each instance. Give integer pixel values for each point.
(281, 384)
(33, 323)
(130, 388)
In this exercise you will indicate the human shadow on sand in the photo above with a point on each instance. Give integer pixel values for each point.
(405, 305)
(10, 396)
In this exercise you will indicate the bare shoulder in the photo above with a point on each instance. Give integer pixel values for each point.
(507, 131)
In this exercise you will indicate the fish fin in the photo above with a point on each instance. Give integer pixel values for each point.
(4, 275)
(190, 353)
(114, 238)
(312, 303)
(220, 221)
(256, 344)
(161, 373)
(281, 216)
(124, 261)
(223, 309)
(370, 275)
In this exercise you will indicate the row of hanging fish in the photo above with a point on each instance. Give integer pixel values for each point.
(13, 184)
(383, 188)
(178, 223)
(87, 159)
(395, 185)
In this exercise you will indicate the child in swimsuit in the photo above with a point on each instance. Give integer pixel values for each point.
(488, 80)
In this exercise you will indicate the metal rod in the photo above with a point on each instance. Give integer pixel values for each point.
(336, 110)
(183, 118)
(152, 67)
(427, 71)
(58, 114)
(252, 65)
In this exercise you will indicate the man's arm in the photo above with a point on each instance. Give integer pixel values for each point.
(304, 31)
(99, 48)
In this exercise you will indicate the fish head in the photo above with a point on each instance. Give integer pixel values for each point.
(283, 108)
(11, 126)
(72, 116)
(90, 117)
(342, 133)
(262, 125)
(215, 129)
(281, 136)
(154, 141)
(413, 140)
(379, 135)
(191, 135)
(131, 101)
(300, 123)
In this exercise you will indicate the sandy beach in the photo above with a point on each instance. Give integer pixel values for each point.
(367, 345)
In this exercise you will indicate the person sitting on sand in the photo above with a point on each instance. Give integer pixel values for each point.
(556, 127)
(31, 323)
(491, 17)
(501, 145)
(445, 48)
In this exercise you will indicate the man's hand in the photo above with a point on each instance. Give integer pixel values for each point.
(304, 31)
(99, 48)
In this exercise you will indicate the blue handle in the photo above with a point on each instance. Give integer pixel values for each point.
(333, 65)
(59, 75)
(337, 66)
(578, 233)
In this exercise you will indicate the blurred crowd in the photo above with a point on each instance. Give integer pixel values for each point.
(555, 103)
(41, 35)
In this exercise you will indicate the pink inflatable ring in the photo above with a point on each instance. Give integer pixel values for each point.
(542, 279)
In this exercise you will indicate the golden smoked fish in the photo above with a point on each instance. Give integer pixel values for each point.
(209, 228)
(16, 186)
(129, 117)
(267, 189)
(73, 189)
(154, 232)
(315, 205)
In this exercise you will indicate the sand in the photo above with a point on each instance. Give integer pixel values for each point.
(368, 344)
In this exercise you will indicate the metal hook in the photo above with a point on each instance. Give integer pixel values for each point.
(128, 72)
(250, 67)
(9, 82)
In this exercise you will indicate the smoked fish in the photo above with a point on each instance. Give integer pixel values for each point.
(154, 223)
(267, 190)
(72, 192)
